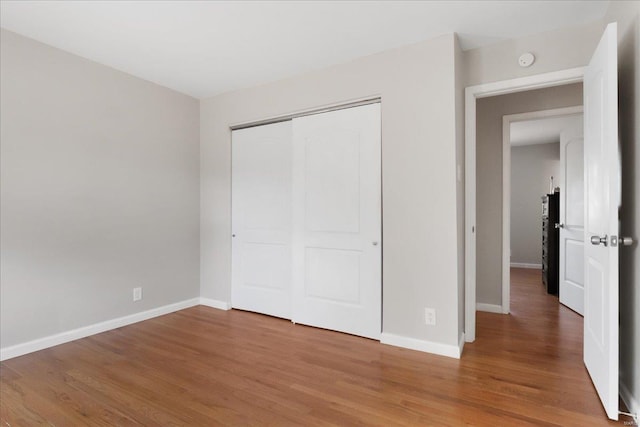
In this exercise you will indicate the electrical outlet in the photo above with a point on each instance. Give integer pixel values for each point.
(137, 294)
(430, 316)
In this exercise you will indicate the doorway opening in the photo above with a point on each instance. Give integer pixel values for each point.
(542, 200)
(473, 95)
(526, 111)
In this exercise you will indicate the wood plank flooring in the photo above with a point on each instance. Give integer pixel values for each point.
(205, 367)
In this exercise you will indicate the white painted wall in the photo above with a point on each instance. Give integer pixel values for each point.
(100, 192)
(417, 87)
(554, 50)
(531, 168)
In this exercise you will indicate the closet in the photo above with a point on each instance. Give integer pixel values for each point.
(306, 220)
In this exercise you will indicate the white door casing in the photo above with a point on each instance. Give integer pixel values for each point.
(571, 280)
(337, 221)
(261, 219)
(602, 202)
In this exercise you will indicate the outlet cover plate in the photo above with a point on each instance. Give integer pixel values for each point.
(430, 316)
(137, 294)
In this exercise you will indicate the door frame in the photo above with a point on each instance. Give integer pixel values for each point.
(472, 93)
(506, 187)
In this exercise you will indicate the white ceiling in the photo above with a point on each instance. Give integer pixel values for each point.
(203, 48)
(543, 131)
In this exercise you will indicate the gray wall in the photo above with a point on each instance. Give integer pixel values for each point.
(99, 187)
(417, 86)
(489, 175)
(531, 167)
(554, 50)
(627, 14)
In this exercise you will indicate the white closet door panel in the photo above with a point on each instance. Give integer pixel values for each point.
(261, 219)
(337, 221)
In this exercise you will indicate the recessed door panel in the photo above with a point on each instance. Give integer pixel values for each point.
(333, 275)
(332, 181)
(595, 294)
(574, 261)
(574, 182)
(269, 265)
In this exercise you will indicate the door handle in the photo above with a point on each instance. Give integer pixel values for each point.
(559, 225)
(626, 241)
(374, 243)
(596, 240)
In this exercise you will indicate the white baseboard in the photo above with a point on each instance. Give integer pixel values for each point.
(632, 403)
(96, 328)
(461, 342)
(491, 308)
(214, 303)
(422, 345)
(526, 265)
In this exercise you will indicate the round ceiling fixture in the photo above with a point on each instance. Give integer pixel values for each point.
(526, 59)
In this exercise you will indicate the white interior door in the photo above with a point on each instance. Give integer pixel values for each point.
(261, 219)
(571, 290)
(337, 221)
(602, 201)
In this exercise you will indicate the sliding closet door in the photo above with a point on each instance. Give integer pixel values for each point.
(337, 221)
(261, 219)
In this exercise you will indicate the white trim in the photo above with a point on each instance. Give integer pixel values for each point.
(544, 114)
(472, 93)
(214, 303)
(525, 265)
(96, 328)
(506, 188)
(632, 403)
(506, 214)
(470, 215)
(422, 345)
(490, 308)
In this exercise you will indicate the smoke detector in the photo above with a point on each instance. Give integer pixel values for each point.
(526, 59)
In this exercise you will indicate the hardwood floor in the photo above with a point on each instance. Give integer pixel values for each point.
(205, 367)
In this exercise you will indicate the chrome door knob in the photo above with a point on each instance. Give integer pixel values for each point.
(626, 241)
(559, 225)
(597, 240)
